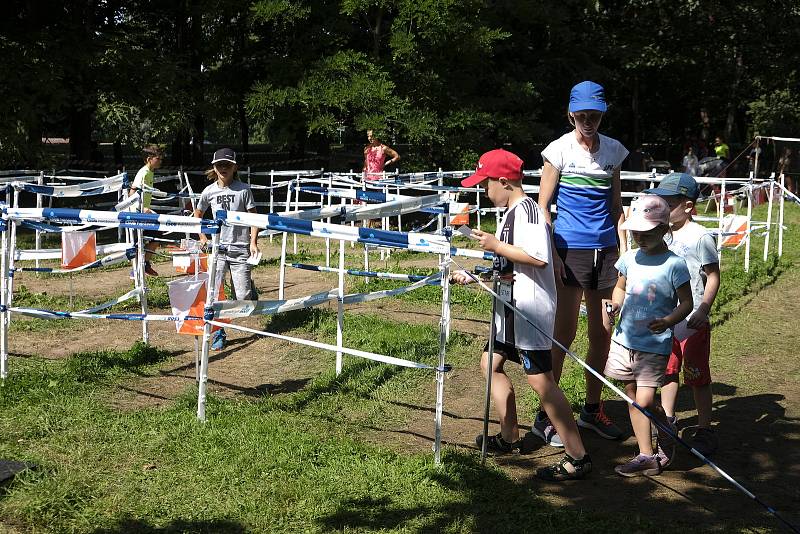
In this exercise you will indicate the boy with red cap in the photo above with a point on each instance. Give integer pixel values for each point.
(523, 259)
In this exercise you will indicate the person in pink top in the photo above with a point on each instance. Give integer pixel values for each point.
(375, 157)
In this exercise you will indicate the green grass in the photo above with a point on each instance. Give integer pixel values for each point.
(290, 462)
(283, 464)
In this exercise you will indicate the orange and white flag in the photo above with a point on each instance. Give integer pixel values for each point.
(78, 249)
(187, 296)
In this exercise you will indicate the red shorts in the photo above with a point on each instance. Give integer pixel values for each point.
(693, 352)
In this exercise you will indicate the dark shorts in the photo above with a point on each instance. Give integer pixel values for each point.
(590, 268)
(534, 362)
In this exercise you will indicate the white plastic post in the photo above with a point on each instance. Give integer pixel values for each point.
(139, 274)
(769, 214)
(211, 295)
(478, 204)
(4, 302)
(271, 195)
(282, 269)
(780, 216)
(749, 223)
(721, 201)
(353, 223)
(296, 208)
(340, 311)
(328, 220)
(440, 372)
(39, 181)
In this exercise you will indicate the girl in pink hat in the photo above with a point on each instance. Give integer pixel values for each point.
(652, 295)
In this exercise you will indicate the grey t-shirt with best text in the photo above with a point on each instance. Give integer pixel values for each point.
(236, 197)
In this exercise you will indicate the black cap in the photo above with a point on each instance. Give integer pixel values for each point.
(224, 154)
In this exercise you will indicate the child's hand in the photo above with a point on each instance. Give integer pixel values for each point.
(460, 277)
(659, 325)
(486, 240)
(611, 308)
(254, 249)
(699, 319)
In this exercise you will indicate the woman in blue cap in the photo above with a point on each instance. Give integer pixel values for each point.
(581, 174)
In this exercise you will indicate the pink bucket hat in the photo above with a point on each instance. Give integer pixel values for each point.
(647, 212)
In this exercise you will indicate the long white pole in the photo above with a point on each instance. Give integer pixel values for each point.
(211, 295)
(769, 214)
(440, 370)
(749, 223)
(780, 216)
(38, 245)
(4, 301)
(340, 311)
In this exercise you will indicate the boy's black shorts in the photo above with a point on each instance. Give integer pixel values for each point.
(534, 362)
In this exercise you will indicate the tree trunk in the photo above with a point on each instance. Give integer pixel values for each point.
(80, 133)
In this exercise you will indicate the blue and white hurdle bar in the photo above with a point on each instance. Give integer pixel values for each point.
(214, 309)
(498, 300)
(160, 222)
(126, 220)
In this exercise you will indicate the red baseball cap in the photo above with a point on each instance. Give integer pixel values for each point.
(497, 163)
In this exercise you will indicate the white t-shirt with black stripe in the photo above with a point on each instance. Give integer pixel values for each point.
(534, 288)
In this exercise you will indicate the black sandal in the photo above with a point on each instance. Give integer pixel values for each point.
(558, 471)
(497, 445)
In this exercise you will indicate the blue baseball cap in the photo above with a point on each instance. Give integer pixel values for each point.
(587, 95)
(676, 183)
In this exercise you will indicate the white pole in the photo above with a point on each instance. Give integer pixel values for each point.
(440, 371)
(296, 208)
(271, 196)
(399, 214)
(282, 270)
(440, 181)
(211, 295)
(780, 217)
(769, 214)
(721, 201)
(4, 302)
(487, 401)
(749, 222)
(139, 273)
(478, 205)
(353, 223)
(327, 239)
(38, 245)
(12, 247)
(340, 311)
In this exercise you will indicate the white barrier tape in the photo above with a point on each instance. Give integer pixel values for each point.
(128, 202)
(55, 253)
(231, 309)
(113, 302)
(357, 272)
(375, 295)
(95, 187)
(333, 348)
(51, 314)
(111, 259)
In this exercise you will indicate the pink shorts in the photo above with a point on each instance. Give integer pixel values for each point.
(630, 365)
(694, 353)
